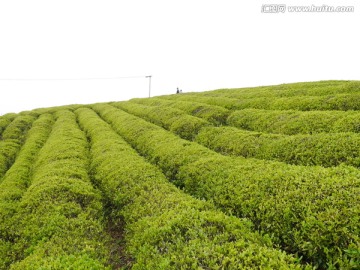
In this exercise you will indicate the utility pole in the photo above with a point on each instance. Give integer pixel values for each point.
(149, 84)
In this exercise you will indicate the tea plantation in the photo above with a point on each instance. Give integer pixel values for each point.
(251, 178)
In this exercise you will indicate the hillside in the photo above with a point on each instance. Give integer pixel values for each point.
(251, 178)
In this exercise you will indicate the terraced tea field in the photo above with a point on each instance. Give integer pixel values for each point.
(250, 178)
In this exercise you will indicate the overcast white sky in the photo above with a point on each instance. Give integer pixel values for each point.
(196, 45)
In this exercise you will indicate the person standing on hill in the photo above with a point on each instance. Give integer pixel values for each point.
(177, 90)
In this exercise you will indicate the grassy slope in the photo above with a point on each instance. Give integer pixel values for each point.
(112, 186)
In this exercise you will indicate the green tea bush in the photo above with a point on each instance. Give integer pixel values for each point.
(18, 128)
(321, 88)
(214, 114)
(76, 194)
(8, 151)
(320, 149)
(326, 149)
(15, 183)
(69, 262)
(342, 102)
(182, 124)
(60, 215)
(5, 120)
(12, 139)
(54, 110)
(295, 122)
(165, 228)
(309, 211)
(225, 102)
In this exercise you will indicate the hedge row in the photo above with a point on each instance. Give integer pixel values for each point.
(15, 183)
(310, 211)
(56, 109)
(177, 121)
(58, 224)
(214, 114)
(18, 128)
(5, 120)
(295, 122)
(321, 88)
(320, 149)
(225, 102)
(12, 139)
(165, 228)
(342, 102)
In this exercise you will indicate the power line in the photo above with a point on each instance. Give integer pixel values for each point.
(71, 79)
(79, 79)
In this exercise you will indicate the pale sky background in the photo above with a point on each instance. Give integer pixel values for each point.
(195, 45)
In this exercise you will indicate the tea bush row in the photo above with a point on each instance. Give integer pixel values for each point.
(214, 114)
(295, 122)
(5, 120)
(321, 88)
(309, 211)
(321, 149)
(58, 224)
(342, 102)
(165, 228)
(327, 149)
(15, 183)
(12, 139)
(177, 121)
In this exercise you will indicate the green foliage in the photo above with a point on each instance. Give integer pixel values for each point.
(321, 88)
(182, 124)
(167, 229)
(5, 120)
(349, 100)
(18, 128)
(41, 261)
(214, 114)
(95, 187)
(295, 122)
(221, 101)
(16, 181)
(60, 214)
(12, 139)
(189, 239)
(54, 110)
(313, 212)
(8, 151)
(320, 149)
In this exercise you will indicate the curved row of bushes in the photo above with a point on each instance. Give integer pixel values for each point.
(320, 149)
(342, 102)
(55, 109)
(177, 121)
(15, 183)
(214, 114)
(58, 223)
(12, 139)
(5, 120)
(310, 211)
(321, 88)
(288, 122)
(165, 228)
(295, 122)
